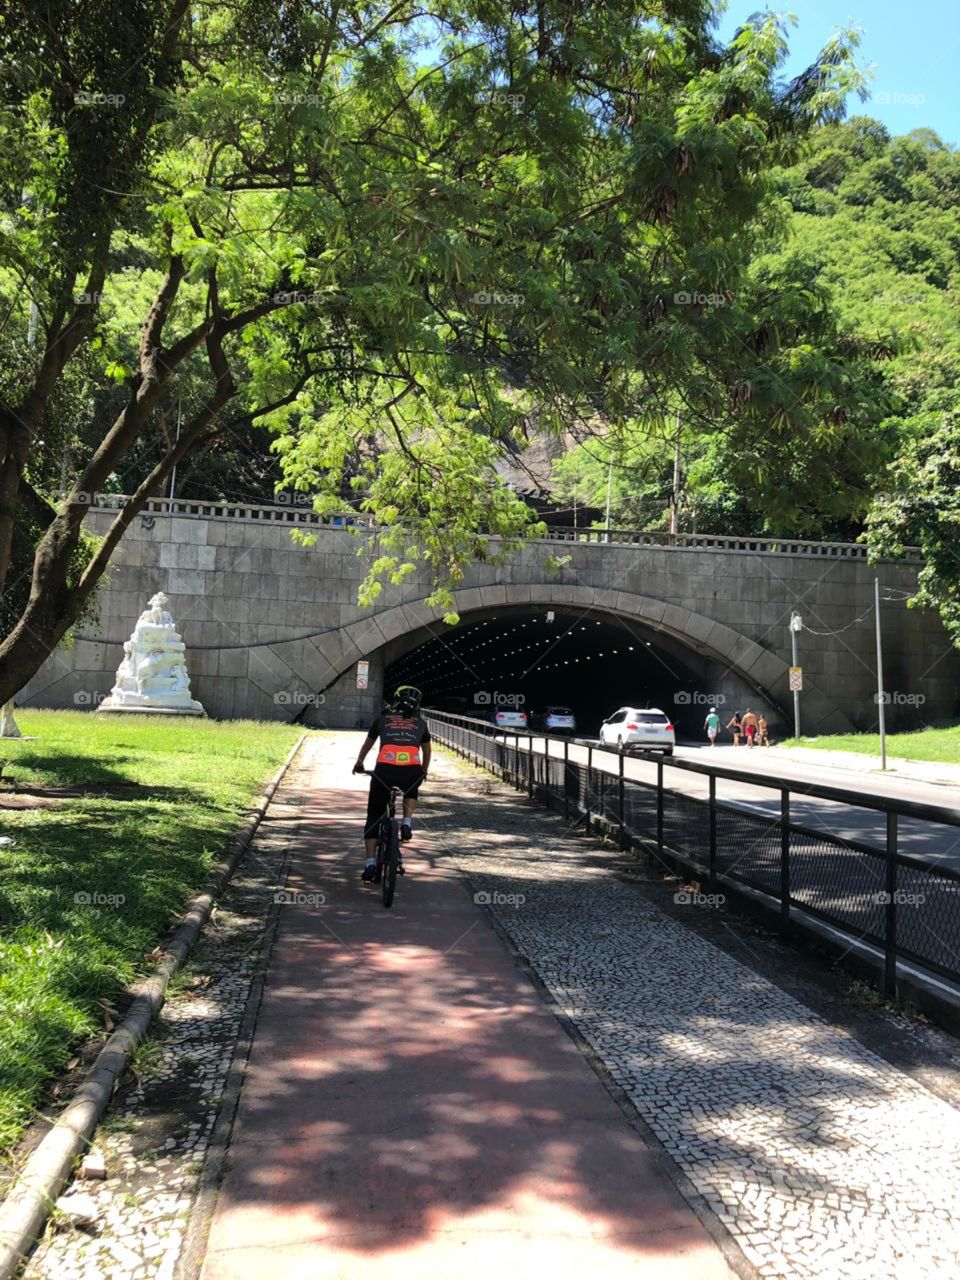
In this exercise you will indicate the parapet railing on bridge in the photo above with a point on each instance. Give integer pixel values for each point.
(295, 512)
(906, 908)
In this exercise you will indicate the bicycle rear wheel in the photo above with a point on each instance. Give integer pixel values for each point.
(391, 862)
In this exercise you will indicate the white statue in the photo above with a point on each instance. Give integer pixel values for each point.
(153, 675)
(8, 724)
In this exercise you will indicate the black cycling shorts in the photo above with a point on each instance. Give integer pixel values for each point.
(406, 777)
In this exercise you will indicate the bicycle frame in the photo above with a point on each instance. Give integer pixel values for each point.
(389, 861)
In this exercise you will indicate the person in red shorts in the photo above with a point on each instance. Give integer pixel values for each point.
(749, 724)
(402, 761)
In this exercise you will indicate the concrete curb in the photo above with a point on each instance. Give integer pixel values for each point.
(32, 1196)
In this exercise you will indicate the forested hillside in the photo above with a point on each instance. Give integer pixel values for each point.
(874, 221)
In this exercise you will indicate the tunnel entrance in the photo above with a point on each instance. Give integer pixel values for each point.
(535, 656)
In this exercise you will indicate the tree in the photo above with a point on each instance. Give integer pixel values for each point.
(387, 233)
(921, 508)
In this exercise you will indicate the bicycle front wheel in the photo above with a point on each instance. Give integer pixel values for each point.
(391, 862)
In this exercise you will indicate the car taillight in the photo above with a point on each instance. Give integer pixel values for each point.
(633, 726)
(669, 726)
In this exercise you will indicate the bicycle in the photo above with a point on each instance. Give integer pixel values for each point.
(389, 862)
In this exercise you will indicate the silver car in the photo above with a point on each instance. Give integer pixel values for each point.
(648, 728)
(557, 720)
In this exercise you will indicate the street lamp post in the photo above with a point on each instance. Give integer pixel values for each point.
(881, 696)
(796, 623)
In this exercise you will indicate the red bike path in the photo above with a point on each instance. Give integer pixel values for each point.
(412, 1108)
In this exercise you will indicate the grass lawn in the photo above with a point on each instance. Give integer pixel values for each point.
(940, 745)
(95, 880)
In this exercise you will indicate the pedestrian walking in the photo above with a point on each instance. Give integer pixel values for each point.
(733, 724)
(712, 726)
(763, 739)
(749, 724)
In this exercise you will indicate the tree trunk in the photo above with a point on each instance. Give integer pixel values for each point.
(54, 605)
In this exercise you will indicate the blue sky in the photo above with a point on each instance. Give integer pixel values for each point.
(914, 46)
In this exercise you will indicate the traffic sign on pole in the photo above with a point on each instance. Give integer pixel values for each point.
(363, 674)
(796, 679)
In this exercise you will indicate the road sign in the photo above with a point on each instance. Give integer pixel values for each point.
(363, 674)
(796, 679)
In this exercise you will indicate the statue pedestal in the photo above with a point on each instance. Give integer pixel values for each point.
(148, 709)
(152, 678)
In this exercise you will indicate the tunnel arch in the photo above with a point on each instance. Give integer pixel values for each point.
(702, 635)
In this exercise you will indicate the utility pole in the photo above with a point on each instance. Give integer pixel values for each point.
(173, 473)
(881, 695)
(609, 483)
(675, 505)
(796, 624)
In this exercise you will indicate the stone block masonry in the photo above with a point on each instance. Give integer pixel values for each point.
(273, 629)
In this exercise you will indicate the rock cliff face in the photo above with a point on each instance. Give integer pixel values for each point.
(530, 469)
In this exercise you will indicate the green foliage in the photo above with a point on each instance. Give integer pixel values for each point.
(854, 313)
(448, 228)
(921, 508)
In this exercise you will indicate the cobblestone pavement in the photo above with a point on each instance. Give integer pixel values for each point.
(156, 1134)
(820, 1158)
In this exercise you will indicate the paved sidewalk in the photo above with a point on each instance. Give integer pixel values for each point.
(928, 771)
(412, 1107)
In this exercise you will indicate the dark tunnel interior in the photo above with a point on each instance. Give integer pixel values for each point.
(539, 655)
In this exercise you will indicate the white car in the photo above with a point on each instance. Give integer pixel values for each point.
(512, 719)
(648, 728)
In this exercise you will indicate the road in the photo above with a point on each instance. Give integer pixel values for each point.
(920, 838)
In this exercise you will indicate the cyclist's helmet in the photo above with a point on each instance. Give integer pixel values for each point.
(406, 700)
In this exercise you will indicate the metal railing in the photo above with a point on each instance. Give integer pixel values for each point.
(295, 511)
(718, 542)
(905, 906)
(188, 508)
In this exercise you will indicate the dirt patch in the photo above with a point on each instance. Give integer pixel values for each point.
(16, 800)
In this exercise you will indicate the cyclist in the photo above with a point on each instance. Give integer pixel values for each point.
(402, 761)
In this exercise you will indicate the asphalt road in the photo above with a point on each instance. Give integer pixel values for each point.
(919, 838)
